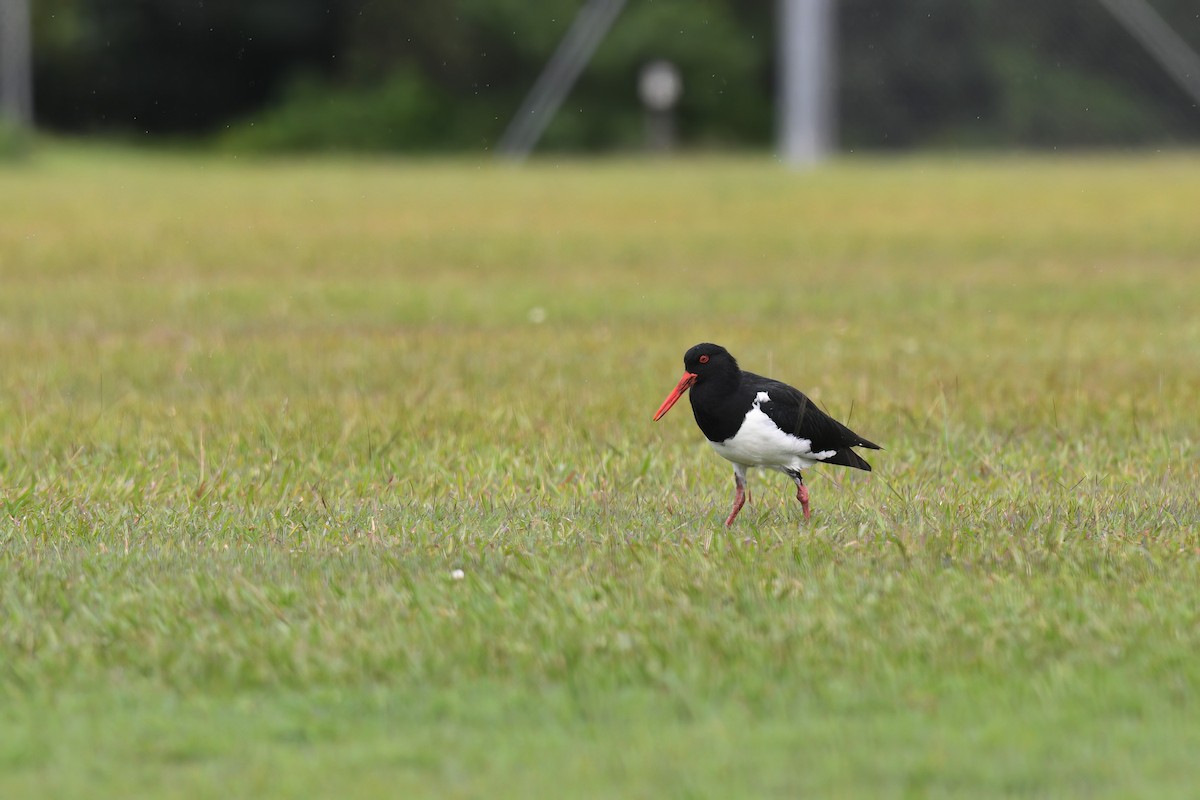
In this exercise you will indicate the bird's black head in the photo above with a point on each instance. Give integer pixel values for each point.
(704, 362)
(707, 360)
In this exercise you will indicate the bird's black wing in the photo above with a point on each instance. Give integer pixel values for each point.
(795, 413)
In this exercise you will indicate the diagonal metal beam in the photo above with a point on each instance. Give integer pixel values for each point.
(1164, 44)
(559, 75)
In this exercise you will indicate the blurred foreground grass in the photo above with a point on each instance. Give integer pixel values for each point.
(253, 415)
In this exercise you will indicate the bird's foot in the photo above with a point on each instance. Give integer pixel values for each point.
(739, 500)
(741, 496)
(802, 496)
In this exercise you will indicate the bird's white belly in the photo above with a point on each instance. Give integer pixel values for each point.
(759, 443)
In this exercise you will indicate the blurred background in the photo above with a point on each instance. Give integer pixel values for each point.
(413, 76)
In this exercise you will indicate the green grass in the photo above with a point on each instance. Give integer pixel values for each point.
(253, 415)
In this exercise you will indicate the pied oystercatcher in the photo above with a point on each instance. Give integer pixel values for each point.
(758, 422)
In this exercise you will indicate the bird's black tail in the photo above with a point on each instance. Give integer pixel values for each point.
(848, 458)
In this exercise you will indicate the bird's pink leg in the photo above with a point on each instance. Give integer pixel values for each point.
(802, 496)
(739, 499)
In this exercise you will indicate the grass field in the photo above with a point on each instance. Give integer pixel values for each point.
(253, 416)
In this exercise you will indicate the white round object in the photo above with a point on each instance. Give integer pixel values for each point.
(660, 85)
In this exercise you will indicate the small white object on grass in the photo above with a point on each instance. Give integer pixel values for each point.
(457, 575)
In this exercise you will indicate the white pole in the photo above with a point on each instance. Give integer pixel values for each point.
(16, 73)
(807, 80)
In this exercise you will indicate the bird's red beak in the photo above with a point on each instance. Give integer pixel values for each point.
(684, 384)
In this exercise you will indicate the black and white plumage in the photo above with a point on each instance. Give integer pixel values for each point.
(754, 421)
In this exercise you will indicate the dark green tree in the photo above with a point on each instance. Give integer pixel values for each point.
(449, 74)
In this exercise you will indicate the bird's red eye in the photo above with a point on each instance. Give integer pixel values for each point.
(703, 359)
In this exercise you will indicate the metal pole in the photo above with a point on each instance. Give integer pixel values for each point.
(807, 102)
(16, 73)
(559, 75)
(1164, 44)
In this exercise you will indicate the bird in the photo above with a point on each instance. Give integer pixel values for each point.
(754, 421)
